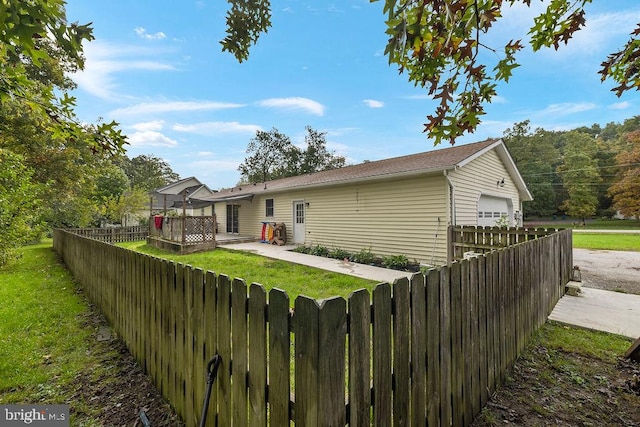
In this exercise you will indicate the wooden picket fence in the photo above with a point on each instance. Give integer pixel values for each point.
(425, 351)
(468, 238)
(113, 235)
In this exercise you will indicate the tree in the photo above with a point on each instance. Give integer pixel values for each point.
(438, 43)
(536, 158)
(33, 33)
(605, 155)
(626, 191)
(316, 157)
(118, 207)
(64, 168)
(580, 176)
(270, 156)
(19, 207)
(110, 183)
(273, 156)
(147, 172)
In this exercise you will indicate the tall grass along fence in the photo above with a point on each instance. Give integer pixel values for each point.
(425, 351)
(114, 234)
(479, 240)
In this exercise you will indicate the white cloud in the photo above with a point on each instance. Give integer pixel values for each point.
(600, 31)
(568, 108)
(294, 103)
(103, 61)
(213, 128)
(173, 106)
(337, 132)
(142, 32)
(338, 147)
(620, 105)
(372, 103)
(150, 138)
(419, 96)
(146, 126)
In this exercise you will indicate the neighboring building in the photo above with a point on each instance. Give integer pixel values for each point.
(185, 195)
(396, 206)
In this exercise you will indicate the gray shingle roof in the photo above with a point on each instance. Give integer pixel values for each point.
(430, 161)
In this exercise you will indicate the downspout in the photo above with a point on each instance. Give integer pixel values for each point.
(450, 213)
(451, 200)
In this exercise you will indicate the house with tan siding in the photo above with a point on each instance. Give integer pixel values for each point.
(397, 206)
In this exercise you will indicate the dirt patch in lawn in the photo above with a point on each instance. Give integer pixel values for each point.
(557, 388)
(115, 390)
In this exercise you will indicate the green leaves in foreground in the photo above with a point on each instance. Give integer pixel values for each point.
(441, 46)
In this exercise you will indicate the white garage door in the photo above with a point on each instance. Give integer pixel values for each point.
(491, 209)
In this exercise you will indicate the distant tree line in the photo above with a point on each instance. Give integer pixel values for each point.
(584, 172)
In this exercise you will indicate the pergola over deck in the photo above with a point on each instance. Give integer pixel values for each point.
(181, 233)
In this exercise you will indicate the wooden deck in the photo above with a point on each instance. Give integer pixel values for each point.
(228, 239)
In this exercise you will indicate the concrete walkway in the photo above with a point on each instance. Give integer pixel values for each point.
(601, 310)
(337, 266)
(596, 309)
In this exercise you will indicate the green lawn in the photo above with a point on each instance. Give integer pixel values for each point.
(614, 242)
(294, 278)
(590, 224)
(39, 324)
(46, 341)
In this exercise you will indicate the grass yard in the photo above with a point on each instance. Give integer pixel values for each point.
(49, 353)
(590, 224)
(570, 377)
(613, 242)
(294, 278)
(43, 342)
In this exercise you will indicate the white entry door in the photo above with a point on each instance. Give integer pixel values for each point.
(298, 222)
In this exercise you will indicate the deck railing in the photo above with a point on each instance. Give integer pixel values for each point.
(184, 230)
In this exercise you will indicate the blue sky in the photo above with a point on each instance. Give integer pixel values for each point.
(156, 68)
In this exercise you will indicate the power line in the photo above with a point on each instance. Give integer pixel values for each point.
(580, 170)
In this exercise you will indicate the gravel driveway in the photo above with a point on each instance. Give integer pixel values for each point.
(609, 270)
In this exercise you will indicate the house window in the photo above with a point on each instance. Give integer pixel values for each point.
(269, 208)
(233, 223)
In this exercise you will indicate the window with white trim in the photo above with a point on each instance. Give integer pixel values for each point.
(268, 212)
